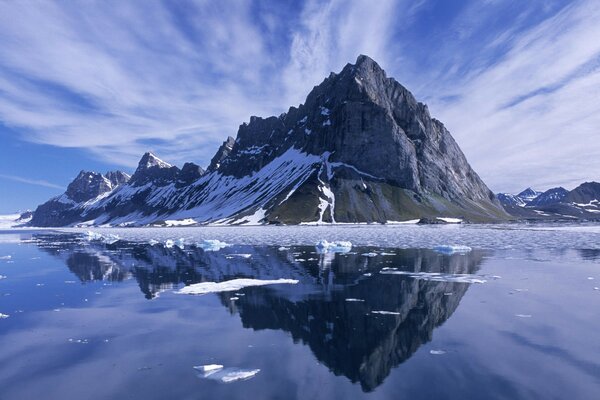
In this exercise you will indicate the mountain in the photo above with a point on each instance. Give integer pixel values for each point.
(558, 203)
(360, 149)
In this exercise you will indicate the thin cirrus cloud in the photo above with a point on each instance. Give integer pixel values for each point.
(516, 85)
(35, 182)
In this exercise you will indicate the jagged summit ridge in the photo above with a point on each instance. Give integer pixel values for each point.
(360, 149)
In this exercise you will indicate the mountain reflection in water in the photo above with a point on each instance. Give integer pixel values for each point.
(330, 310)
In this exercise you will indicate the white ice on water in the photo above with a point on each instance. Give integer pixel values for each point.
(212, 245)
(225, 375)
(231, 285)
(452, 249)
(5, 257)
(323, 246)
(385, 312)
(450, 220)
(435, 276)
(437, 352)
(2, 316)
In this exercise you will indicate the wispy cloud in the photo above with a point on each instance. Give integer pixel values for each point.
(36, 182)
(516, 85)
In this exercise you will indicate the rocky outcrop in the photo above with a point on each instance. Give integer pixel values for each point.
(361, 149)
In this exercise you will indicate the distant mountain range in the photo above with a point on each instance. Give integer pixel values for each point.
(361, 149)
(558, 203)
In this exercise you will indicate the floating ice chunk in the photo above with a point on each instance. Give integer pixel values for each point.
(436, 276)
(226, 375)
(153, 242)
(108, 239)
(282, 248)
(3, 316)
(5, 257)
(169, 243)
(234, 284)
(82, 341)
(452, 249)
(234, 298)
(385, 312)
(208, 367)
(323, 246)
(596, 288)
(367, 274)
(2, 276)
(590, 278)
(437, 352)
(212, 245)
(93, 235)
(369, 254)
(241, 255)
(450, 220)
(353, 300)
(523, 315)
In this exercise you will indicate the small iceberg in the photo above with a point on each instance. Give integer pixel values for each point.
(3, 316)
(108, 238)
(385, 312)
(169, 243)
(225, 375)
(323, 246)
(355, 300)
(437, 352)
(212, 245)
(232, 285)
(5, 257)
(371, 254)
(452, 249)
(2, 276)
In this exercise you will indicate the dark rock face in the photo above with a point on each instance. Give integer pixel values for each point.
(189, 173)
(585, 193)
(361, 149)
(117, 177)
(550, 196)
(88, 185)
(152, 169)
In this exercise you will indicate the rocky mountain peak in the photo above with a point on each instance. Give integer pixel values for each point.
(88, 185)
(117, 177)
(153, 169)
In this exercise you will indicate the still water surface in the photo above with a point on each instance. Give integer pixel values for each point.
(99, 319)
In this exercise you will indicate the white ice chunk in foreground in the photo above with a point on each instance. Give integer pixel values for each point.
(452, 249)
(369, 254)
(232, 285)
(209, 367)
(436, 276)
(212, 245)
(2, 276)
(226, 375)
(108, 239)
(2, 316)
(437, 352)
(5, 257)
(324, 246)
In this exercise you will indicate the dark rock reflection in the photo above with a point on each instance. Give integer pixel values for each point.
(344, 335)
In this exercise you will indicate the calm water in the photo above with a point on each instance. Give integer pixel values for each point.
(100, 319)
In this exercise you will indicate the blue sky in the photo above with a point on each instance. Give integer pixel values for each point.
(93, 85)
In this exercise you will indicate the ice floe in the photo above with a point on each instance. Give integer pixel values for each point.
(212, 245)
(385, 312)
(323, 246)
(231, 285)
(369, 254)
(2, 316)
(523, 315)
(435, 276)
(354, 300)
(108, 238)
(5, 257)
(169, 243)
(2, 276)
(437, 352)
(452, 249)
(225, 375)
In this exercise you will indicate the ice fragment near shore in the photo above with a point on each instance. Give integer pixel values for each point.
(212, 245)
